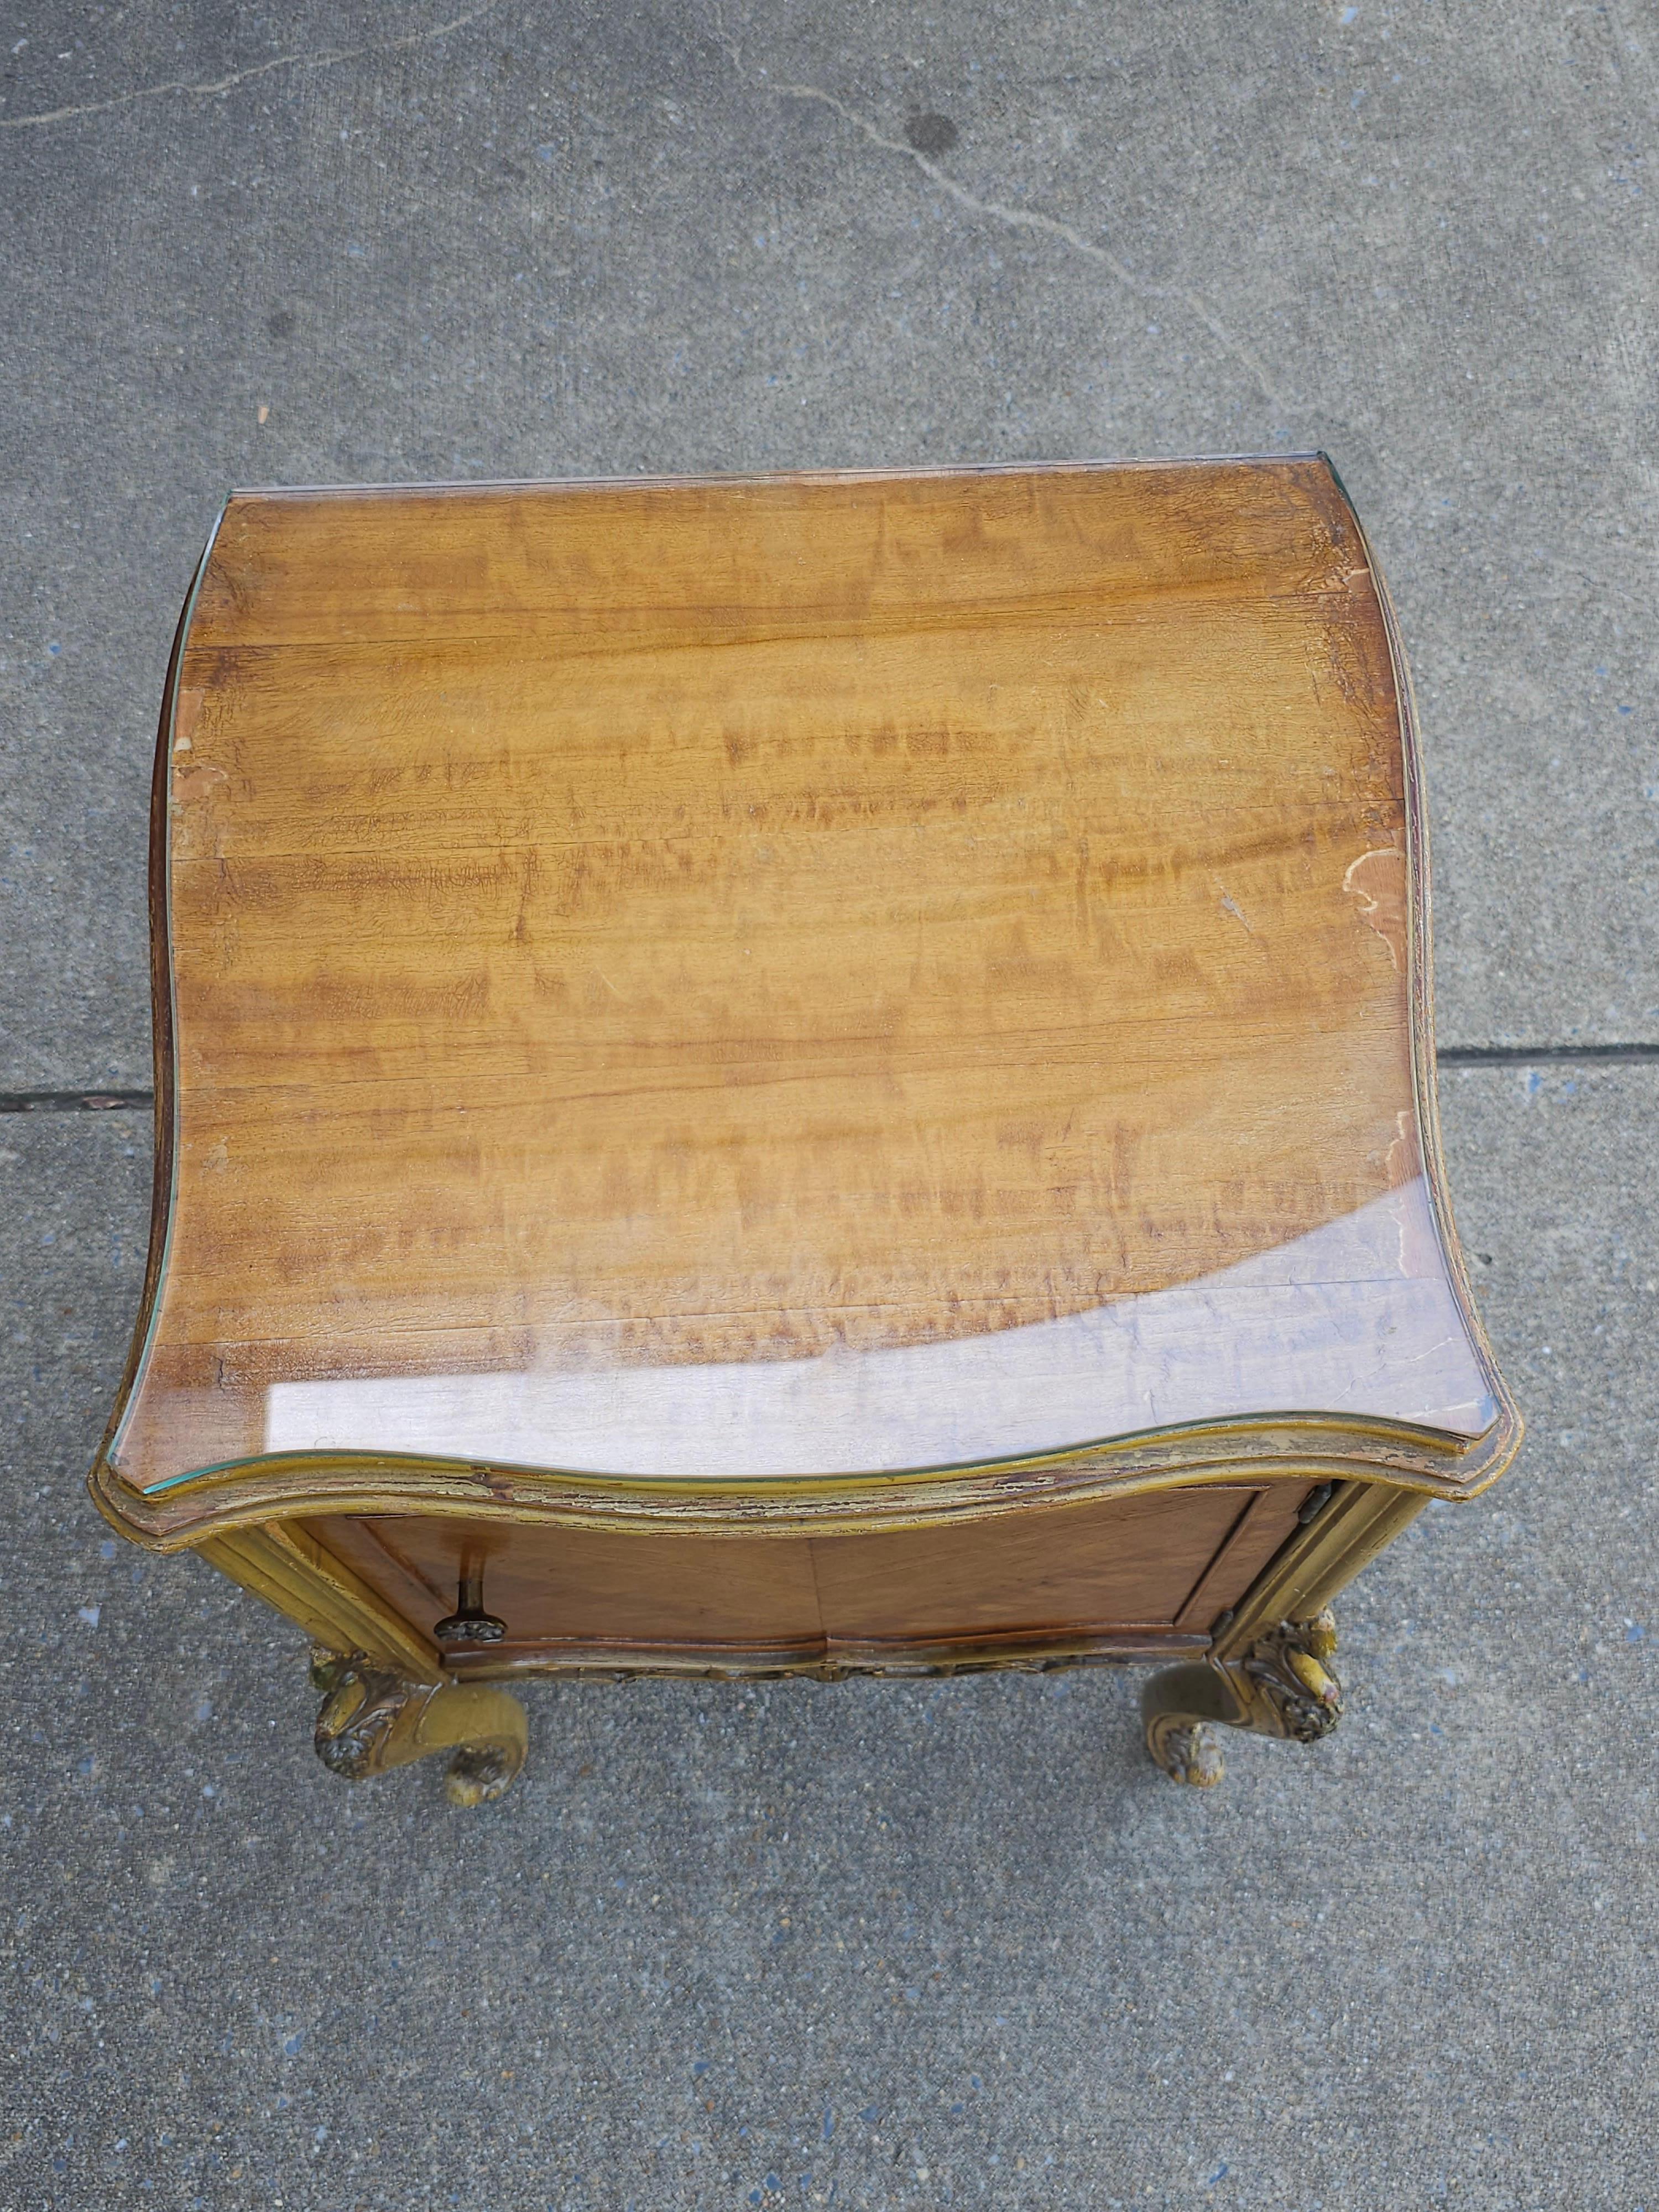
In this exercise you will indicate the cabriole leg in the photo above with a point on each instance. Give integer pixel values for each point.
(372, 1720)
(1279, 1686)
(1177, 1707)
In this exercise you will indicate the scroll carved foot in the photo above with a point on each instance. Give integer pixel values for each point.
(1279, 1686)
(1293, 1689)
(372, 1720)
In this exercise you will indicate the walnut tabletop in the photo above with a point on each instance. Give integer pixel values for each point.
(849, 1002)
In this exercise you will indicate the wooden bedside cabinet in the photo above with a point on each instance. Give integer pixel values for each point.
(796, 1074)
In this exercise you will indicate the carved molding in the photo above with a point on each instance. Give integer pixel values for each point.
(373, 1720)
(1187, 1751)
(1293, 1691)
(1279, 1685)
(360, 1714)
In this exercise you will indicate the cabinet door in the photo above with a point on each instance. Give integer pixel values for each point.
(1146, 1567)
(1123, 1575)
(558, 1588)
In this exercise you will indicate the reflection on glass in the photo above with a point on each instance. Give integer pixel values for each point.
(1356, 1317)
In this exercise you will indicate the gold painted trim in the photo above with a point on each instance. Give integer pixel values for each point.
(1318, 1561)
(289, 1570)
(1306, 1449)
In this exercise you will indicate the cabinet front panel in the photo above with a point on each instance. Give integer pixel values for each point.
(1162, 1565)
(1127, 1563)
(589, 1586)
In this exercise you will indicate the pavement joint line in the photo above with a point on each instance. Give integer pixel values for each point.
(75, 1102)
(1454, 1055)
(1525, 1055)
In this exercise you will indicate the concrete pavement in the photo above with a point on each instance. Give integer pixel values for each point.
(872, 1944)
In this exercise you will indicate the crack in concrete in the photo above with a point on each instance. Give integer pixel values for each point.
(325, 59)
(1017, 218)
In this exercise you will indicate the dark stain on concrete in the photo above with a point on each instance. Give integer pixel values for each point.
(931, 134)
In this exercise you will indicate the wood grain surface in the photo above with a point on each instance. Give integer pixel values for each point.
(639, 924)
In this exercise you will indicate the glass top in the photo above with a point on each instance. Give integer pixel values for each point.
(790, 977)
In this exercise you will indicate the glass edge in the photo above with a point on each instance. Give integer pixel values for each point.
(1420, 996)
(166, 1093)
